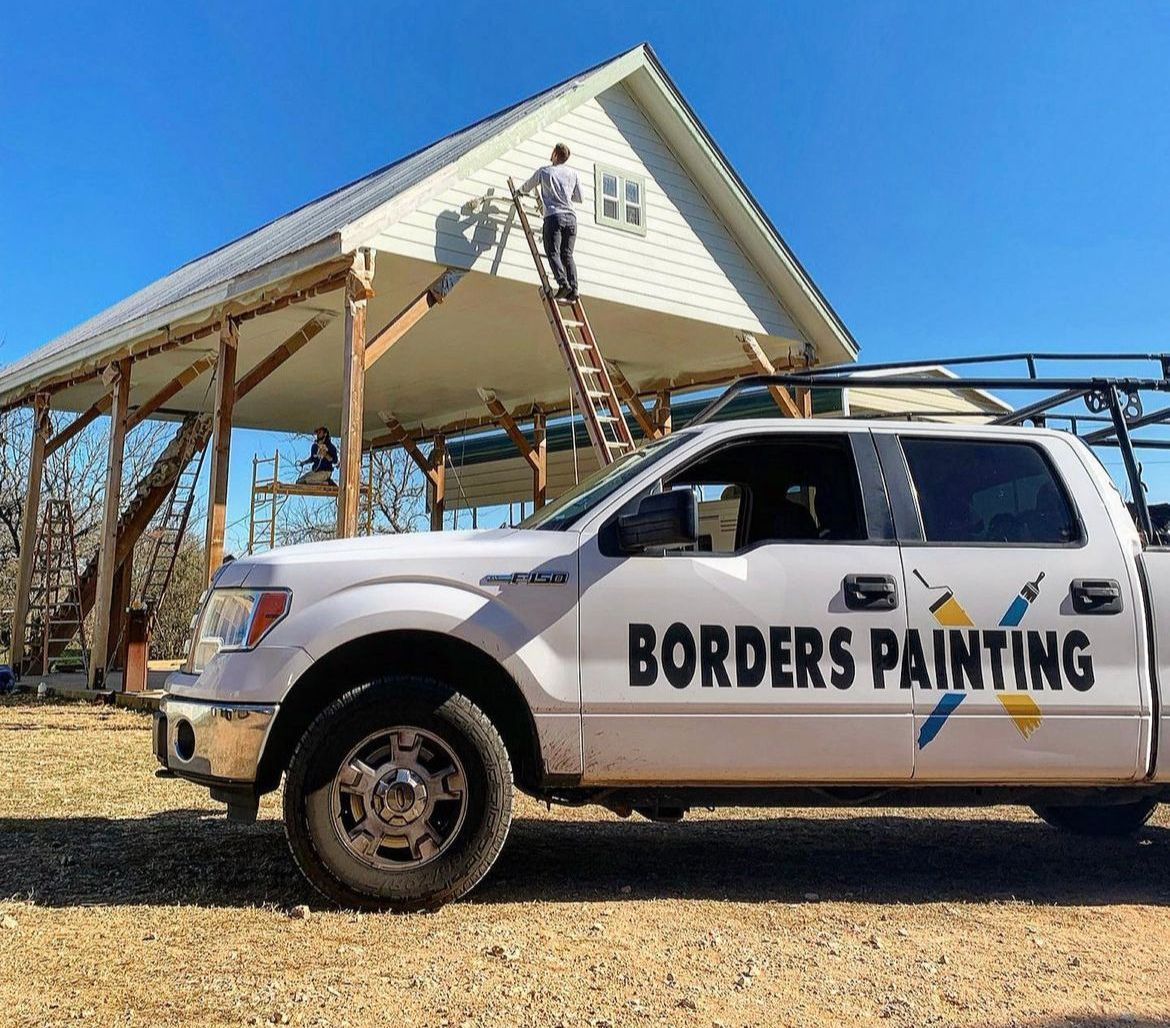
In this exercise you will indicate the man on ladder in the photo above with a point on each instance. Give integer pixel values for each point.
(560, 188)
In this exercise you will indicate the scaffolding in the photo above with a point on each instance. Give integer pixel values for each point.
(270, 493)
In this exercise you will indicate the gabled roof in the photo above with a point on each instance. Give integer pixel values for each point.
(350, 216)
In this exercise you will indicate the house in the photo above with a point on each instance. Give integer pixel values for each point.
(403, 308)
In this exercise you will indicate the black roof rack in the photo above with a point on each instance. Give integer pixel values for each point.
(1113, 403)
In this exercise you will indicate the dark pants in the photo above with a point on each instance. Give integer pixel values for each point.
(560, 234)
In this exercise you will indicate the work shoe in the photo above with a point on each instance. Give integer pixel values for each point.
(572, 295)
(562, 293)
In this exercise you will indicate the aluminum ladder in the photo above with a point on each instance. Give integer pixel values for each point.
(592, 387)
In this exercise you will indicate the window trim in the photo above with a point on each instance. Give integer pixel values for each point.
(620, 222)
(920, 540)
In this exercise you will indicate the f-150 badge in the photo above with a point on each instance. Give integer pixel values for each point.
(527, 578)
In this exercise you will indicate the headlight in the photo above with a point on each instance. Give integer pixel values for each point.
(235, 619)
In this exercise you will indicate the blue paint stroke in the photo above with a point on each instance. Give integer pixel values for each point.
(938, 717)
(1019, 606)
(1015, 613)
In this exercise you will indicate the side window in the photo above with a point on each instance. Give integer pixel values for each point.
(973, 491)
(621, 199)
(775, 490)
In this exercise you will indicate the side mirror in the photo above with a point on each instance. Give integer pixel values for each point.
(662, 519)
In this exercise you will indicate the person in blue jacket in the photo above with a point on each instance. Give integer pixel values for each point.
(321, 461)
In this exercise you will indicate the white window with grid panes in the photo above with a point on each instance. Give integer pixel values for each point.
(621, 199)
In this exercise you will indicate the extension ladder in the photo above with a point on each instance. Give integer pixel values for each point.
(168, 537)
(55, 596)
(592, 387)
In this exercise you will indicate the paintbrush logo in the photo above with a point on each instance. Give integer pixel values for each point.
(949, 613)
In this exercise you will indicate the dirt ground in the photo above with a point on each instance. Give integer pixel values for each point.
(129, 900)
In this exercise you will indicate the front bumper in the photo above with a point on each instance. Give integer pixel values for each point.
(212, 742)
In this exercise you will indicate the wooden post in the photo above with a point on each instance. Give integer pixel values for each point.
(28, 528)
(221, 446)
(358, 290)
(662, 416)
(134, 678)
(119, 606)
(438, 482)
(540, 459)
(108, 541)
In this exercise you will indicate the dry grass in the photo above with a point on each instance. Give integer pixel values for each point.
(128, 900)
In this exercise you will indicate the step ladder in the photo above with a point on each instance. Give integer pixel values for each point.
(168, 536)
(55, 615)
(592, 387)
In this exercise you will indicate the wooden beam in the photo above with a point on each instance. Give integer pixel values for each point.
(282, 353)
(551, 410)
(398, 436)
(79, 424)
(508, 424)
(108, 540)
(411, 315)
(540, 464)
(175, 386)
(438, 482)
(782, 396)
(221, 446)
(358, 290)
(804, 401)
(629, 396)
(28, 529)
(662, 416)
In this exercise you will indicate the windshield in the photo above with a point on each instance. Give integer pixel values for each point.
(584, 496)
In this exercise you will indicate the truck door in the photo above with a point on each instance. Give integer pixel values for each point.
(1022, 649)
(746, 659)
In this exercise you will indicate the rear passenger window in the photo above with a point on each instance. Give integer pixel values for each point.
(972, 491)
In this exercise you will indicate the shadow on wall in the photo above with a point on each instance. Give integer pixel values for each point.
(713, 237)
(197, 857)
(463, 236)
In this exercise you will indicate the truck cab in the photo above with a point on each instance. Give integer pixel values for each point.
(783, 611)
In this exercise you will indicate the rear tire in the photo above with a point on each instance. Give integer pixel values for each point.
(398, 796)
(1105, 820)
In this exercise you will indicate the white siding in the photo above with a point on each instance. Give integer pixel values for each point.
(687, 264)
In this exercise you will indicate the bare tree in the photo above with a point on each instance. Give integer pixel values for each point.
(76, 472)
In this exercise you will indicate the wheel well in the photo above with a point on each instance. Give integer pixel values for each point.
(461, 664)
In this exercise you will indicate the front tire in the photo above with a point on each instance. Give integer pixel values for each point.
(398, 796)
(1105, 820)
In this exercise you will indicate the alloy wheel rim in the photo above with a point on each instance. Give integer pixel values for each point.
(399, 798)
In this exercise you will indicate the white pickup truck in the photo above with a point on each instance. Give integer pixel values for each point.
(743, 612)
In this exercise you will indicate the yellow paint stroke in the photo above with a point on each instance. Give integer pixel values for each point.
(949, 612)
(1023, 709)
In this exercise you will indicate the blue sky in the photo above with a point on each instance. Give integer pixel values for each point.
(956, 177)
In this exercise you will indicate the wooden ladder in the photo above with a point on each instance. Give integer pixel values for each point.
(56, 615)
(592, 387)
(168, 539)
